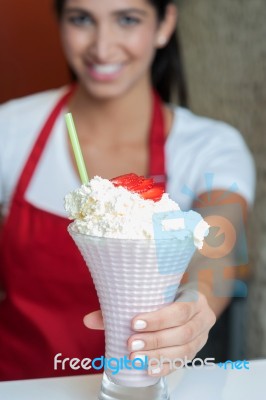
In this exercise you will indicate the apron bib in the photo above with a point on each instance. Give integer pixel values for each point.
(48, 288)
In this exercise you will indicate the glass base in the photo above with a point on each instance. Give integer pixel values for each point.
(111, 391)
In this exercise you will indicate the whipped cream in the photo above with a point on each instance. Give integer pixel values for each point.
(102, 209)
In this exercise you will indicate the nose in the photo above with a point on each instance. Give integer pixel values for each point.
(103, 43)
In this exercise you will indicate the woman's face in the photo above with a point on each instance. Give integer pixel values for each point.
(110, 44)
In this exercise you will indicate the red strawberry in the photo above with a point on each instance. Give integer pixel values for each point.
(133, 186)
(143, 186)
(146, 188)
(133, 182)
(154, 193)
(124, 180)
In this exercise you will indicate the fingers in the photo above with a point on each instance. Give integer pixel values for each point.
(94, 320)
(170, 316)
(175, 332)
(177, 336)
(170, 354)
(160, 369)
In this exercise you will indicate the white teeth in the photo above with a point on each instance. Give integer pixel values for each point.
(107, 69)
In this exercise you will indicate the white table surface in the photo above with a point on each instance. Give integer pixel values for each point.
(199, 384)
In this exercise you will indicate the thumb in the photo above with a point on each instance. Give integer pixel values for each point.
(94, 320)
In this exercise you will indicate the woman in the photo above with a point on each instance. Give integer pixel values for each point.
(119, 51)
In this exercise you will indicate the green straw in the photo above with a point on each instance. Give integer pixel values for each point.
(76, 148)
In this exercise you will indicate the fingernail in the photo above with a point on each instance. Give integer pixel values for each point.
(140, 324)
(137, 345)
(139, 358)
(156, 370)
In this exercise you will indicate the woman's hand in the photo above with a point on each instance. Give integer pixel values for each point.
(178, 330)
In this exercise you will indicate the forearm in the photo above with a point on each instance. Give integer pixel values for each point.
(213, 270)
(217, 304)
(218, 290)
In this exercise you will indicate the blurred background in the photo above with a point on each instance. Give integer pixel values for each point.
(225, 59)
(31, 56)
(224, 46)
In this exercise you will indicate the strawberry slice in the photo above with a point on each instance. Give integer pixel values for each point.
(134, 185)
(143, 186)
(124, 180)
(133, 182)
(154, 193)
(146, 188)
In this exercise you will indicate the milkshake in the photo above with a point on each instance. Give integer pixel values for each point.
(137, 245)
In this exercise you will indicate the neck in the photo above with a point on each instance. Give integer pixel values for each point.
(117, 118)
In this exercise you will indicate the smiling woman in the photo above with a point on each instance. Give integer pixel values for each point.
(126, 59)
(167, 69)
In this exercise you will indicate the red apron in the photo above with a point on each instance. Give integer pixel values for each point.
(48, 286)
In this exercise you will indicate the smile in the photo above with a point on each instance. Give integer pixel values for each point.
(106, 69)
(105, 72)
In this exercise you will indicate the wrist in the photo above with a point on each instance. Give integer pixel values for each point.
(190, 292)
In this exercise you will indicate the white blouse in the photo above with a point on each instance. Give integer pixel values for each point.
(201, 155)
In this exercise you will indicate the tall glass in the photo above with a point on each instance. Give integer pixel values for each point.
(132, 277)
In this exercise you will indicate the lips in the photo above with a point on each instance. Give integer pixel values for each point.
(106, 69)
(104, 72)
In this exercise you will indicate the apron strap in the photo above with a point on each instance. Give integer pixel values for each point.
(39, 145)
(156, 143)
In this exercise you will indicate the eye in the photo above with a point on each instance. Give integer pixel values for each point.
(80, 20)
(126, 20)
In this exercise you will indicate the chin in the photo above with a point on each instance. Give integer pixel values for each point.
(103, 92)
